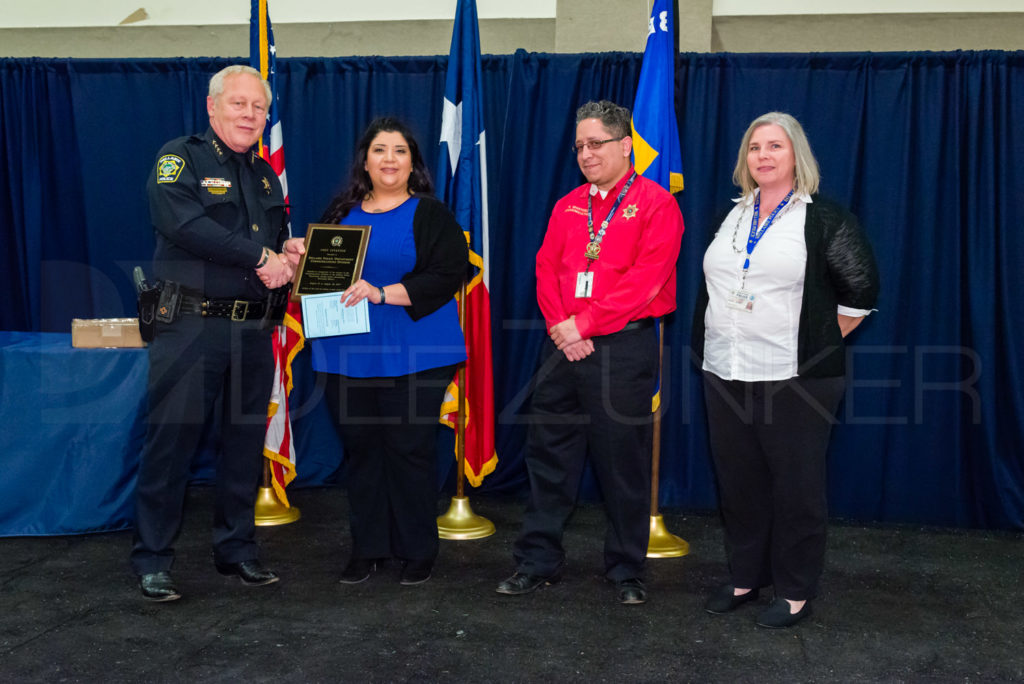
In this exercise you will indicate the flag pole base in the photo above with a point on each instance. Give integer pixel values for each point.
(270, 511)
(664, 544)
(461, 523)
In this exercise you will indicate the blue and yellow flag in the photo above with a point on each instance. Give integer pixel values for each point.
(655, 131)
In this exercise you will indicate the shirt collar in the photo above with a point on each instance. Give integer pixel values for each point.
(748, 200)
(223, 152)
(616, 189)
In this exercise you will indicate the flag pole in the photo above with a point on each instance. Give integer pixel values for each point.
(460, 523)
(662, 543)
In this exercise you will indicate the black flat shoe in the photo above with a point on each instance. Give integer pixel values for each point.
(358, 570)
(251, 572)
(725, 601)
(777, 615)
(521, 583)
(158, 586)
(416, 572)
(631, 592)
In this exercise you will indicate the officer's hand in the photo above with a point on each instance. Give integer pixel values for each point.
(276, 272)
(294, 248)
(579, 350)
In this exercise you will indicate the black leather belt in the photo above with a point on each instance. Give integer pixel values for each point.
(235, 309)
(639, 324)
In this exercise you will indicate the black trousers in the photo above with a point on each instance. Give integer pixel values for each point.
(769, 442)
(599, 406)
(194, 363)
(388, 427)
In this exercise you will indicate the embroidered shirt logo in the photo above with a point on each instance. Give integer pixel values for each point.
(581, 211)
(629, 212)
(168, 168)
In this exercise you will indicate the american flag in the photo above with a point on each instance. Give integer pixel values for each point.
(278, 447)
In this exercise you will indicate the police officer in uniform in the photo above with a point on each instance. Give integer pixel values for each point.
(606, 270)
(221, 229)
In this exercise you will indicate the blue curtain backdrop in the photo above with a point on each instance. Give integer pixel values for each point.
(923, 147)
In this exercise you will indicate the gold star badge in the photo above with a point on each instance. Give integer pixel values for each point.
(629, 212)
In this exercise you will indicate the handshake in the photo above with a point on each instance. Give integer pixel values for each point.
(277, 269)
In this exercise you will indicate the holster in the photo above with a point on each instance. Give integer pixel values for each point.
(277, 305)
(148, 299)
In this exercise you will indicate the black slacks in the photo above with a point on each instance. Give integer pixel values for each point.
(194, 363)
(388, 427)
(769, 442)
(599, 406)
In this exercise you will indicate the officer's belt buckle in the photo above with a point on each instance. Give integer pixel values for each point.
(235, 315)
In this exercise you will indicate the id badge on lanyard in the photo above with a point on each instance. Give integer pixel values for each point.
(584, 284)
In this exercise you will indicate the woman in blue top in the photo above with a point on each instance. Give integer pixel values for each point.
(385, 387)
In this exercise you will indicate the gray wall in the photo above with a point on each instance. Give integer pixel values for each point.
(579, 26)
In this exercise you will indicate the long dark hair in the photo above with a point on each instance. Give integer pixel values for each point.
(359, 184)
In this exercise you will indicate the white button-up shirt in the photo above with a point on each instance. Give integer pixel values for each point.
(759, 344)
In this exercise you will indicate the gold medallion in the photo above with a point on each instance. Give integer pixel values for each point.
(593, 251)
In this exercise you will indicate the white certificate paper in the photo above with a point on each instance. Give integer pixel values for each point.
(323, 315)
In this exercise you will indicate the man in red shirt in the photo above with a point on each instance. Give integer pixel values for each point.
(606, 270)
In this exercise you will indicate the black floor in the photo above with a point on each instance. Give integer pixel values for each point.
(898, 605)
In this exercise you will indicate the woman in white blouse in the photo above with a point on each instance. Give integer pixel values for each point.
(788, 275)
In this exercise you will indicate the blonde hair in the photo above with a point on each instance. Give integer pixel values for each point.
(217, 82)
(805, 171)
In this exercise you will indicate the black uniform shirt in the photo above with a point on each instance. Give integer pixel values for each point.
(214, 210)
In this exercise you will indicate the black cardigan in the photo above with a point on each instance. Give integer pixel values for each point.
(442, 258)
(840, 269)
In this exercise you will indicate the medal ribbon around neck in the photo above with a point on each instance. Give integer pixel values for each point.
(755, 234)
(594, 246)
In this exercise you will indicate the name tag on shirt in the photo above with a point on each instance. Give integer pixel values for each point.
(741, 300)
(584, 284)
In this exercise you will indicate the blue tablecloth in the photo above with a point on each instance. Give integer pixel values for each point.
(73, 425)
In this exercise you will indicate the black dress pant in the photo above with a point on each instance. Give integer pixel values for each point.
(769, 442)
(388, 427)
(599, 406)
(194, 363)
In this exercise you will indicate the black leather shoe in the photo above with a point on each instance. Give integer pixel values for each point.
(725, 601)
(521, 583)
(777, 615)
(416, 572)
(158, 586)
(251, 572)
(631, 592)
(358, 570)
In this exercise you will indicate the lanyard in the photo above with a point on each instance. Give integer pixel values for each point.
(755, 234)
(594, 246)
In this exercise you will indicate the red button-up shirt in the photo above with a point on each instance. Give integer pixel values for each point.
(635, 276)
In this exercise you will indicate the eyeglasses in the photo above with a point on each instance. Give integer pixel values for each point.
(593, 145)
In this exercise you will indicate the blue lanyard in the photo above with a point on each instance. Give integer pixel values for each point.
(594, 247)
(755, 234)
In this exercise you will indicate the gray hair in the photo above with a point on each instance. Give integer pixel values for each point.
(616, 118)
(217, 82)
(805, 170)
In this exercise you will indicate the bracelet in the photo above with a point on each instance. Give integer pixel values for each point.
(265, 259)
(383, 297)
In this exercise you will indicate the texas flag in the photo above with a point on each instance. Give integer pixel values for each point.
(462, 185)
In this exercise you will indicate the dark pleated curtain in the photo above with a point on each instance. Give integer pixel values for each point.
(923, 147)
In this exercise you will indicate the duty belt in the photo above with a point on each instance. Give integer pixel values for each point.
(235, 309)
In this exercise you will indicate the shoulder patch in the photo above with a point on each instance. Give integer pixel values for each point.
(168, 168)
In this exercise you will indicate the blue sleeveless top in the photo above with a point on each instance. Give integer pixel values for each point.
(396, 345)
